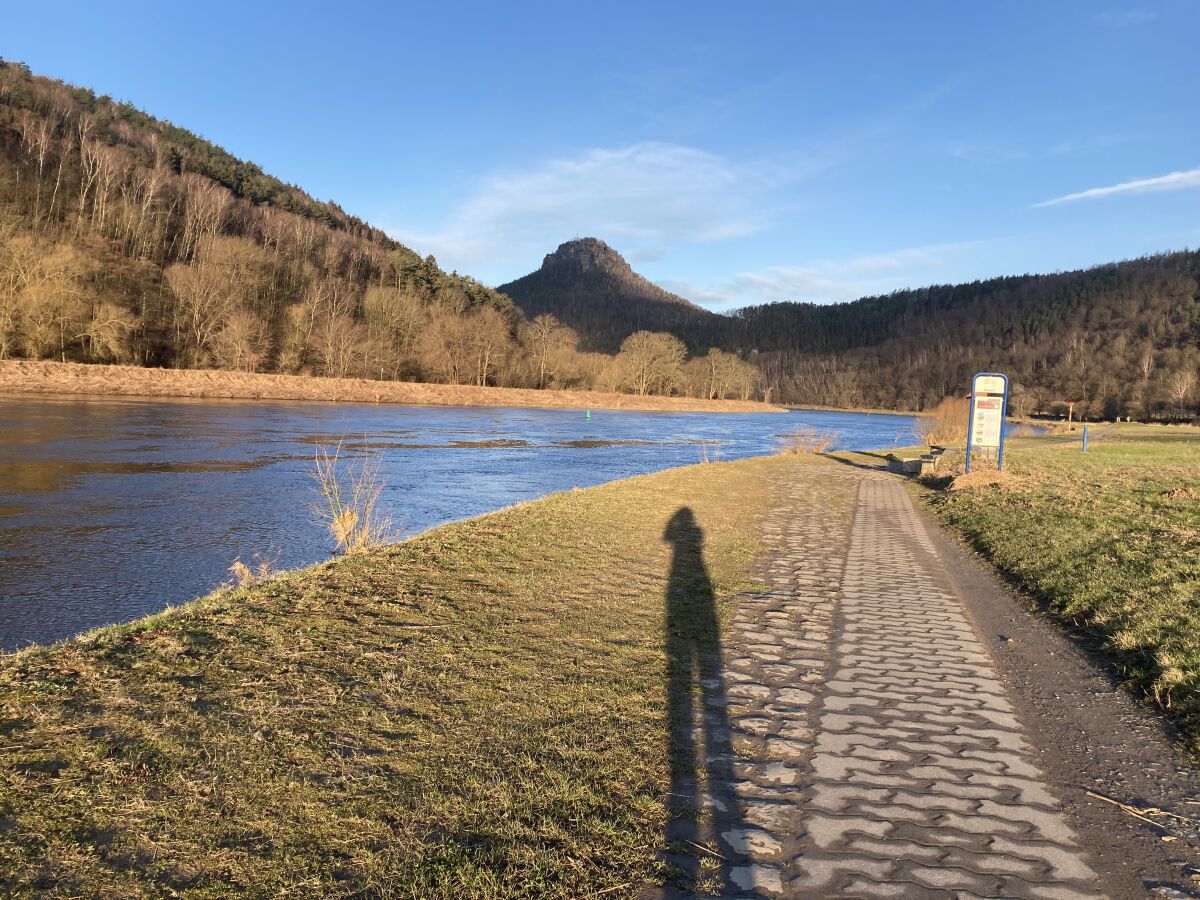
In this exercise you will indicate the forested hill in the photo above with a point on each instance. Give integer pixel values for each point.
(126, 238)
(591, 288)
(1120, 339)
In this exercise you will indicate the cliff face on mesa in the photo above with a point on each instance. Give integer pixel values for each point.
(590, 287)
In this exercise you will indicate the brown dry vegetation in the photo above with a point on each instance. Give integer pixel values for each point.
(946, 423)
(807, 441)
(23, 376)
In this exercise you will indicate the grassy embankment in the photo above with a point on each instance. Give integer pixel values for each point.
(479, 711)
(24, 377)
(1109, 540)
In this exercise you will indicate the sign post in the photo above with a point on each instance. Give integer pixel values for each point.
(989, 406)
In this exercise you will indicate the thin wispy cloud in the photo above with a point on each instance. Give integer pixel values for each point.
(650, 197)
(824, 281)
(647, 195)
(1001, 152)
(987, 153)
(1175, 181)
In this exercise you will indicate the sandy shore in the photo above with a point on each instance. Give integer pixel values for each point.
(25, 377)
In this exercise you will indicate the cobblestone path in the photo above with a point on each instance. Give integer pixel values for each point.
(871, 751)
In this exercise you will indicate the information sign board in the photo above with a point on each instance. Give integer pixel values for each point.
(989, 405)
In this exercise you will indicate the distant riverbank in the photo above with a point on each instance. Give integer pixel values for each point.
(22, 376)
(865, 410)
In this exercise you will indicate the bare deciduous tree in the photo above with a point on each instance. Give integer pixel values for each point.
(1180, 387)
(107, 332)
(446, 348)
(206, 296)
(651, 361)
(394, 317)
(550, 343)
(241, 342)
(489, 342)
(341, 346)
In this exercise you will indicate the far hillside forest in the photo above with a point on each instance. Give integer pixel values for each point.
(124, 238)
(1119, 340)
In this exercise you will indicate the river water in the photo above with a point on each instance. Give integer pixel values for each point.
(112, 509)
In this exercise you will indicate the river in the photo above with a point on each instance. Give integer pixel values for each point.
(112, 509)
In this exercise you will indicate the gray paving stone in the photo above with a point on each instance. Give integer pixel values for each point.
(874, 751)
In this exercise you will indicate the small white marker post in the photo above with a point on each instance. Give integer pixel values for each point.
(989, 406)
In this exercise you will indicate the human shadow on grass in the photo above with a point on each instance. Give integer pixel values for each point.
(702, 804)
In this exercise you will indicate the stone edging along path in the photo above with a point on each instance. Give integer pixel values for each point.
(857, 737)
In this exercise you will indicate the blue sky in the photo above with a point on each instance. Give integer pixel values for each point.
(734, 153)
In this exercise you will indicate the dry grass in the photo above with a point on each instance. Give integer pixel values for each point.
(242, 575)
(982, 477)
(22, 376)
(946, 423)
(804, 441)
(348, 500)
(477, 712)
(709, 451)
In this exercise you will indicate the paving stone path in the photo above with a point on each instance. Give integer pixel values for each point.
(870, 748)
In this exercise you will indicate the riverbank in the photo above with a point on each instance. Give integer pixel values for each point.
(25, 377)
(865, 410)
(511, 706)
(1107, 542)
(477, 711)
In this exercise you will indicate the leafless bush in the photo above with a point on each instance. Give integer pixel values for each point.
(242, 575)
(946, 423)
(348, 503)
(710, 452)
(808, 440)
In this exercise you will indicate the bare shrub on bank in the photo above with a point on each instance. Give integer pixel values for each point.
(946, 423)
(348, 503)
(242, 575)
(710, 452)
(808, 440)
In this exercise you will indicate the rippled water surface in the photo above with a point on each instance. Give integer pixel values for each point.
(113, 509)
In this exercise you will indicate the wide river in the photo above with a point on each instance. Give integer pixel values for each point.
(112, 509)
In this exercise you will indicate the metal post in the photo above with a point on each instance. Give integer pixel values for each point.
(1085, 438)
(1003, 427)
(970, 427)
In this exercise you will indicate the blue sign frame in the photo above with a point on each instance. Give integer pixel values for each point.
(1003, 418)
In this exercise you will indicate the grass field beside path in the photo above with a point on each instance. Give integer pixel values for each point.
(480, 711)
(1110, 540)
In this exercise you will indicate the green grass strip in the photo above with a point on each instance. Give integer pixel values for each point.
(480, 711)
(1111, 541)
